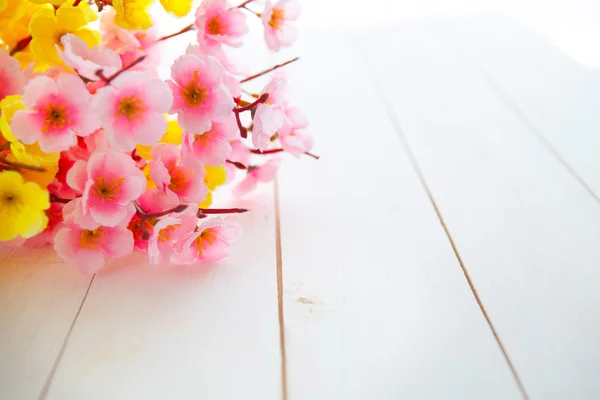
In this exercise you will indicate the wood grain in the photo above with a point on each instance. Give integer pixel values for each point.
(39, 298)
(207, 332)
(526, 229)
(376, 304)
(554, 96)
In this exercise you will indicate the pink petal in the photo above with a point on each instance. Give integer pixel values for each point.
(159, 95)
(112, 214)
(152, 127)
(267, 171)
(37, 88)
(117, 242)
(246, 185)
(194, 120)
(26, 127)
(77, 175)
(159, 174)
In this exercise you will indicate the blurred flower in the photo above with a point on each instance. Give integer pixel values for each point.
(269, 116)
(78, 55)
(132, 14)
(278, 31)
(180, 8)
(47, 29)
(12, 78)
(217, 23)
(262, 173)
(292, 137)
(215, 177)
(209, 243)
(22, 206)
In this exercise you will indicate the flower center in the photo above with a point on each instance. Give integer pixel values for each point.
(107, 189)
(215, 26)
(131, 107)
(91, 239)
(178, 180)
(56, 116)
(165, 233)
(277, 18)
(194, 93)
(206, 239)
(204, 139)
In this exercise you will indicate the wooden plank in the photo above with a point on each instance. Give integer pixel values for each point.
(528, 232)
(204, 332)
(558, 98)
(376, 305)
(39, 298)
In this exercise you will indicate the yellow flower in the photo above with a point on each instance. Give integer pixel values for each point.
(173, 135)
(10, 10)
(26, 154)
(180, 8)
(215, 176)
(132, 14)
(22, 206)
(47, 28)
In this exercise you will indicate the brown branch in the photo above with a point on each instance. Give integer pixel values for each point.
(269, 70)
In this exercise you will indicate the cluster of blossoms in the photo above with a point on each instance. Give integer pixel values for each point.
(100, 157)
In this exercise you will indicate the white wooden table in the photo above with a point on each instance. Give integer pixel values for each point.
(446, 246)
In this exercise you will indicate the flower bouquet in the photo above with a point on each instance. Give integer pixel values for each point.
(100, 157)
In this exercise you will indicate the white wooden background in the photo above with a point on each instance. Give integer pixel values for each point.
(446, 245)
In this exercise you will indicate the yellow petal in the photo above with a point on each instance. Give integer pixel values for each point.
(178, 7)
(207, 202)
(174, 133)
(91, 38)
(70, 18)
(43, 23)
(215, 176)
(8, 107)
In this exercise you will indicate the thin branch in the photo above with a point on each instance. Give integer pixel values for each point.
(17, 165)
(106, 80)
(269, 70)
(184, 30)
(21, 45)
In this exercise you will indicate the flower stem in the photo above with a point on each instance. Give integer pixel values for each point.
(237, 164)
(184, 30)
(21, 45)
(263, 98)
(243, 131)
(203, 212)
(243, 5)
(273, 151)
(76, 3)
(106, 80)
(55, 199)
(269, 70)
(253, 12)
(17, 165)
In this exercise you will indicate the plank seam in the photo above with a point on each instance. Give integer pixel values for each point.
(517, 111)
(46, 388)
(279, 258)
(400, 133)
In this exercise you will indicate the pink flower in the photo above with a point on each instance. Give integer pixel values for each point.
(291, 136)
(217, 23)
(168, 233)
(211, 147)
(109, 182)
(178, 182)
(151, 201)
(78, 55)
(209, 243)
(131, 110)
(129, 44)
(231, 68)
(12, 77)
(278, 31)
(269, 116)
(86, 248)
(263, 173)
(56, 112)
(200, 96)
